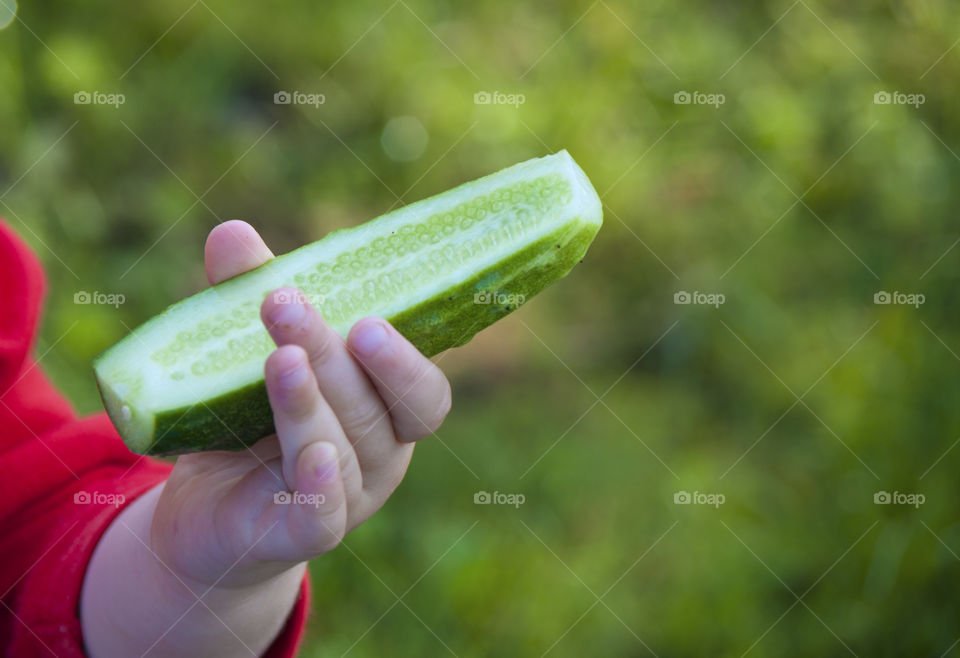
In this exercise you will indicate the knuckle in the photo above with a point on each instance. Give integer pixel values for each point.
(412, 376)
(411, 427)
(321, 345)
(350, 472)
(426, 423)
(301, 409)
(424, 415)
(362, 420)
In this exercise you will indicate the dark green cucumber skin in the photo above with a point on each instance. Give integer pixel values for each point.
(236, 420)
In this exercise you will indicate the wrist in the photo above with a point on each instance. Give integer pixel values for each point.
(132, 602)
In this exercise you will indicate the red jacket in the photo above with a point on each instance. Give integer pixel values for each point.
(47, 455)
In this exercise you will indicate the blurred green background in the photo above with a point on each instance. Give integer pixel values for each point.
(797, 198)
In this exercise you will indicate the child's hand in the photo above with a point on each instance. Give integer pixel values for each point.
(346, 413)
(210, 562)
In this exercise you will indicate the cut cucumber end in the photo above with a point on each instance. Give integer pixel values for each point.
(134, 423)
(440, 270)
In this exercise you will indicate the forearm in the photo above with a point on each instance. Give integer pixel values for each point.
(132, 603)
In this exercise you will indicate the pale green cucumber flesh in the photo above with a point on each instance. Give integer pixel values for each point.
(439, 270)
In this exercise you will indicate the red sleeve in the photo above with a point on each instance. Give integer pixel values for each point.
(63, 481)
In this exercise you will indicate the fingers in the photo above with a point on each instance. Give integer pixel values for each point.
(302, 417)
(362, 414)
(415, 391)
(233, 248)
(290, 319)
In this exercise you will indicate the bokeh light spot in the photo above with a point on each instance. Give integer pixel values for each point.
(8, 11)
(404, 138)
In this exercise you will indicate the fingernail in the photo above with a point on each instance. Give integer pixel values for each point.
(288, 310)
(327, 464)
(369, 339)
(293, 377)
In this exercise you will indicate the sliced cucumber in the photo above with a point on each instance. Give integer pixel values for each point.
(439, 270)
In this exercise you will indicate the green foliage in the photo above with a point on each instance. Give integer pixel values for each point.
(698, 198)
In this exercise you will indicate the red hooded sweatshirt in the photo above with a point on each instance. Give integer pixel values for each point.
(47, 455)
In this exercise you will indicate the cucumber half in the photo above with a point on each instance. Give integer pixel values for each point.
(439, 270)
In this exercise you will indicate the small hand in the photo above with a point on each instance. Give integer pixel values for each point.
(210, 562)
(346, 415)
